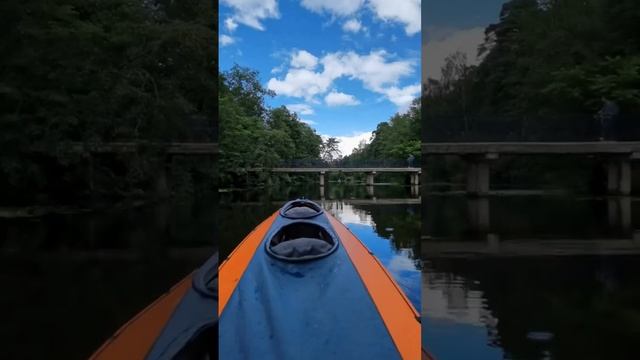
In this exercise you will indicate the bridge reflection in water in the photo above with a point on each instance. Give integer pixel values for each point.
(496, 226)
(530, 277)
(371, 193)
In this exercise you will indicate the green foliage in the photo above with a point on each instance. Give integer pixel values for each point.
(556, 56)
(253, 136)
(99, 71)
(394, 140)
(543, 61)
(330, 150)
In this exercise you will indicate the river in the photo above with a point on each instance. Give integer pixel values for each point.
(71, 280)
(531, 277)
(507, 277)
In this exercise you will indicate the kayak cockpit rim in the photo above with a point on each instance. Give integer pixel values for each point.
(301, 209)
(301, 240)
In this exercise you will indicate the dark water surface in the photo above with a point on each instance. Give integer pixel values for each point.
(70, 281)
(508, 277)
(531, 277)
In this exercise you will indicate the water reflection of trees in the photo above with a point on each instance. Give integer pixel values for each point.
(152, 228)
(92, 297)
(399, 223)
(589, 305)
(236, 221)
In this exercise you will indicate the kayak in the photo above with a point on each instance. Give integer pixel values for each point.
(299, 286)
(302, 286)
(181, 324)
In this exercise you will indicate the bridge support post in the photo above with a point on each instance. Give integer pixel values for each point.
(414, 179)
(321, 178)
(90, 172)
(619, 214)
(619, 177)
(478, 175)
(371, 178)
(625, 177)
(162, 183)
(479, 215)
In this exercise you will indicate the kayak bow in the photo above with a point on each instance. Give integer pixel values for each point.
(301, 285)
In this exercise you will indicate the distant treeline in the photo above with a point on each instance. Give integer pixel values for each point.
(101, 71)
(394, 140)
(546, 57)
(254, 136)
(545, 68)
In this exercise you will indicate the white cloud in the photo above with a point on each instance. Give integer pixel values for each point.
(375, 70)
(230, 24)
(226, 40)
(334, 7)
(301, 109)
(252, 12)
(300, 83)
(406, 12)
(437, 49)
(335, 98)
(308, 122)
(304, 59)
(399, 263)
(348, 214)
(403, 96)
(349, 143)
(352, 25)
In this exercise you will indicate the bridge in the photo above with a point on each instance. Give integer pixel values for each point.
(479, 155)
(166, 150)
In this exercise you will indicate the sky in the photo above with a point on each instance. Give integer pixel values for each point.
(342, 65)
(454, 25)
(346, 65)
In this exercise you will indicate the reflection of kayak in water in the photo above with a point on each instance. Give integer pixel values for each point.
(302, 286)
(181, 324)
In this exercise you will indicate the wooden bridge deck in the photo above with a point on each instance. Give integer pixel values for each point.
(618, 154)
(534, 148)
(175, 148)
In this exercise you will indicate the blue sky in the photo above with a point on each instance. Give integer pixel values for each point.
(343, 65)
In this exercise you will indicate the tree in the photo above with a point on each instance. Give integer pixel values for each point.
(331, 150)
(254, 136)
(111, 70)
(392, 140)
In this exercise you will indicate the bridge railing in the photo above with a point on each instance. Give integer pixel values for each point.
(375, 163)
(501, 128)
